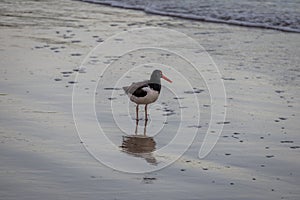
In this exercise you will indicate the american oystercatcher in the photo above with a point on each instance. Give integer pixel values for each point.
(145, 92)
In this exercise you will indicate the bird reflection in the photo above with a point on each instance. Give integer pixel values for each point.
(140, 145)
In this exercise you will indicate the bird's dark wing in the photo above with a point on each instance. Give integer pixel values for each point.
(136, 89)
(140, 92)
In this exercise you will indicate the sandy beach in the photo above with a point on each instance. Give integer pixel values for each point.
(42, 157)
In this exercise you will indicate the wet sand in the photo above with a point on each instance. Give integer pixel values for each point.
(42, 157)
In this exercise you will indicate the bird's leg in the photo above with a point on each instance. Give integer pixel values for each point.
(136, 126)
(146, 115)
(137, 118)
(145, 128)
(137, 112)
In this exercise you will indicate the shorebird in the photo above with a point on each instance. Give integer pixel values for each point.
(145, 92)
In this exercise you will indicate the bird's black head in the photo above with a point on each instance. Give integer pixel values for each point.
(157, 75)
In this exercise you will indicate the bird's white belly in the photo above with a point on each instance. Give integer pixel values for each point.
(151, 97)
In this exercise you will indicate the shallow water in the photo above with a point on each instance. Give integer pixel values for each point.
(274, 14)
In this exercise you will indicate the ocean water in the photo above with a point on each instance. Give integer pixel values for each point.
(274, 14)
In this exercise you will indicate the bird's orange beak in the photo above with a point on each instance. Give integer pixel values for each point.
(166, 78)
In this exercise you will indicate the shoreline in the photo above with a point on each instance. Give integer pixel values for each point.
(197, 18)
